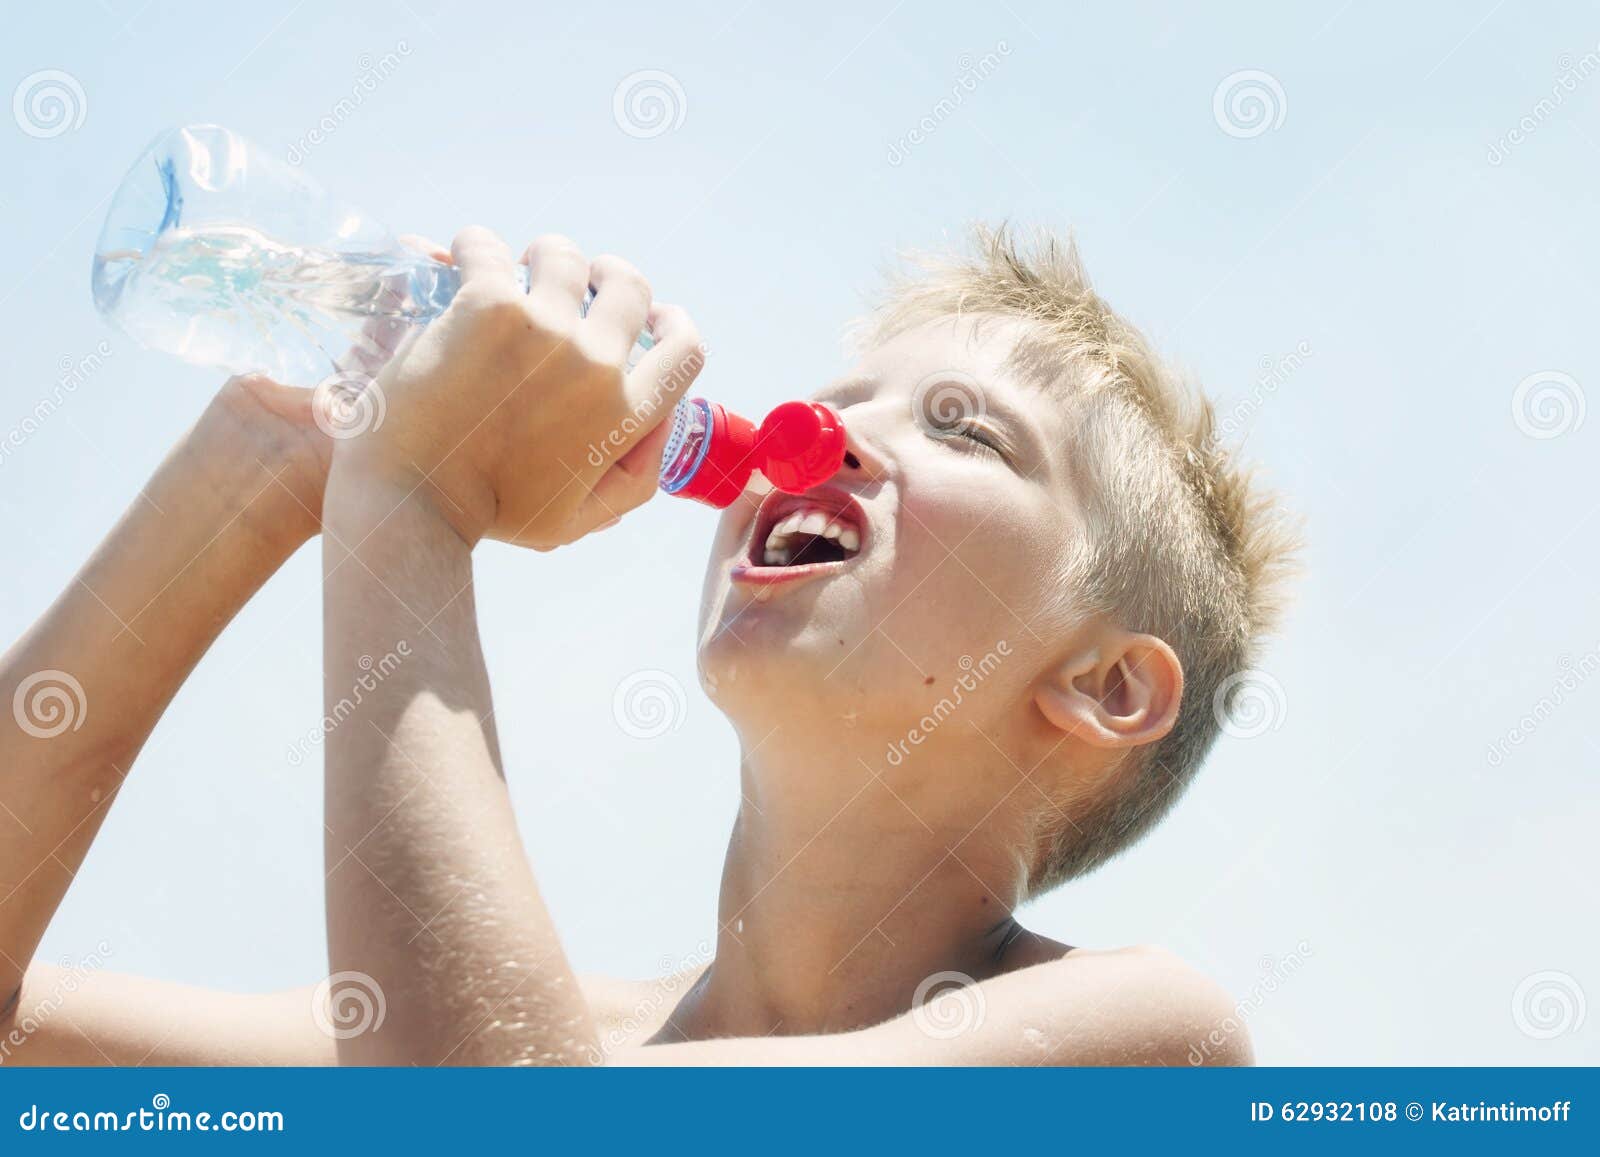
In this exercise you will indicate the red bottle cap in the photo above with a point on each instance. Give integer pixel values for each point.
(800, 445)
(709, 455)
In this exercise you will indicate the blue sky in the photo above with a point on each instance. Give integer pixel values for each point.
(1389, 283)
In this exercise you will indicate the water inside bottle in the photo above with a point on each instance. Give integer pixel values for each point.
(227, 295)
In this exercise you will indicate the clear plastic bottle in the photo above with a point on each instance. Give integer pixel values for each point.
(222, 254)
(217, 252)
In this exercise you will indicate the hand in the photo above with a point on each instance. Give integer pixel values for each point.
(514, 417)
(287, 430)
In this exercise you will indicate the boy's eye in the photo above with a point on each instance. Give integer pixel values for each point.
(971, 432)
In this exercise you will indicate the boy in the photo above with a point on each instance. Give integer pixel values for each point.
(1031, 514)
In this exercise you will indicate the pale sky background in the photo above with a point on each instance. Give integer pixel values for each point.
(1406, 891)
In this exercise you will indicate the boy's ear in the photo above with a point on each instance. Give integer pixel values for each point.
(1122, 691)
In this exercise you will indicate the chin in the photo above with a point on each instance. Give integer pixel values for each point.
(797, 651)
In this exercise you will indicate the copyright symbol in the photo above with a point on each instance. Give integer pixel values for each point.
(1413, 1112)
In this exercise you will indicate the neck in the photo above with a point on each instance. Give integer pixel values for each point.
(848, 883)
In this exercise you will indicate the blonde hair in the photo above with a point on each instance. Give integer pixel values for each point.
(1182, 544)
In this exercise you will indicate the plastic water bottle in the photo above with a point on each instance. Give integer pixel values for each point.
(217, 252)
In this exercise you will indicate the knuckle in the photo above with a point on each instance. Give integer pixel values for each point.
(491, 302)
(595, 357)
(618, 271)
(549, 320)
(475, 235)
(549, 245)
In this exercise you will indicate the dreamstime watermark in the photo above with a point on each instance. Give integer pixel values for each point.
(373, 71)
(676, 379)
(1574, 673)
(347, 1004)
(160, 1117)
(1249, 703)
(1274, 373)
(1549, 1004)
(973, 673)
(947, 401)
(348, 404)
(48, 103)
(72, 372)
(1248, 103)
(973, 72)
(1275, 973)
(68, 979)
(648, 704)
(373, 672)
(947, 1005)
(1572, 73)
(1548, 404)
(677, 976)
(49, 703)
(648, 103)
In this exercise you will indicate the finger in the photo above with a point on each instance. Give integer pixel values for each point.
(558, 275)
(427, 247)
(632, 479)
(482, 256)
(621, 305)
(654, 386)
(374, 347)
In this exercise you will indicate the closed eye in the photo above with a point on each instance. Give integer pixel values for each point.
(974, 434)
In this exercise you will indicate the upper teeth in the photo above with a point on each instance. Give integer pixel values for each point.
(807, 524)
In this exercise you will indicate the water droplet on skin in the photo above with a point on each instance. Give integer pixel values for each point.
(738, 926)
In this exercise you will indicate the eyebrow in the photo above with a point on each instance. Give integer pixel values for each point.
(847, 390)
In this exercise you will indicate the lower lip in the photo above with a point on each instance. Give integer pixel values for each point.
(765, 576)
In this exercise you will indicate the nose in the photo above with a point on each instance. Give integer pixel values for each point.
(861, 460)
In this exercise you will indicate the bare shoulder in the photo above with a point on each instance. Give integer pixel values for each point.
(1140, 1005)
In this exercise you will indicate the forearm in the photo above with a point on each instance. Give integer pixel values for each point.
(89, 680)
(429, 890)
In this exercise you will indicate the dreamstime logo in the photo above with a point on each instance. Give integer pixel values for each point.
(70, 976)
(1249, 703)
(947, 401)
(1548, 404)
(973, 673)
(648, 103)
(1572, 73)
(677, 378)
(48, 703)
(1548, 1004)
(1574, 672)
(972, 73)
(348, 1004)
(1274, 373)
(74, 372)
(1275, 973)
(373, 672)
(348, 404)
(372, 72)
(948, 1004)
(648, 704)
(49, 103)
(1248, 103)
(676, 975)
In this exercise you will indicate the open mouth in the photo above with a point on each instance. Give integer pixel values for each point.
(799, 534)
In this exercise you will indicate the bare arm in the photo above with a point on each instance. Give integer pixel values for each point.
(234, 499)
(489, 417)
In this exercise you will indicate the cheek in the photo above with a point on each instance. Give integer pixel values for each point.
(987, 554)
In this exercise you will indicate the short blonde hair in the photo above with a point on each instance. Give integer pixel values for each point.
(1182, 544)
